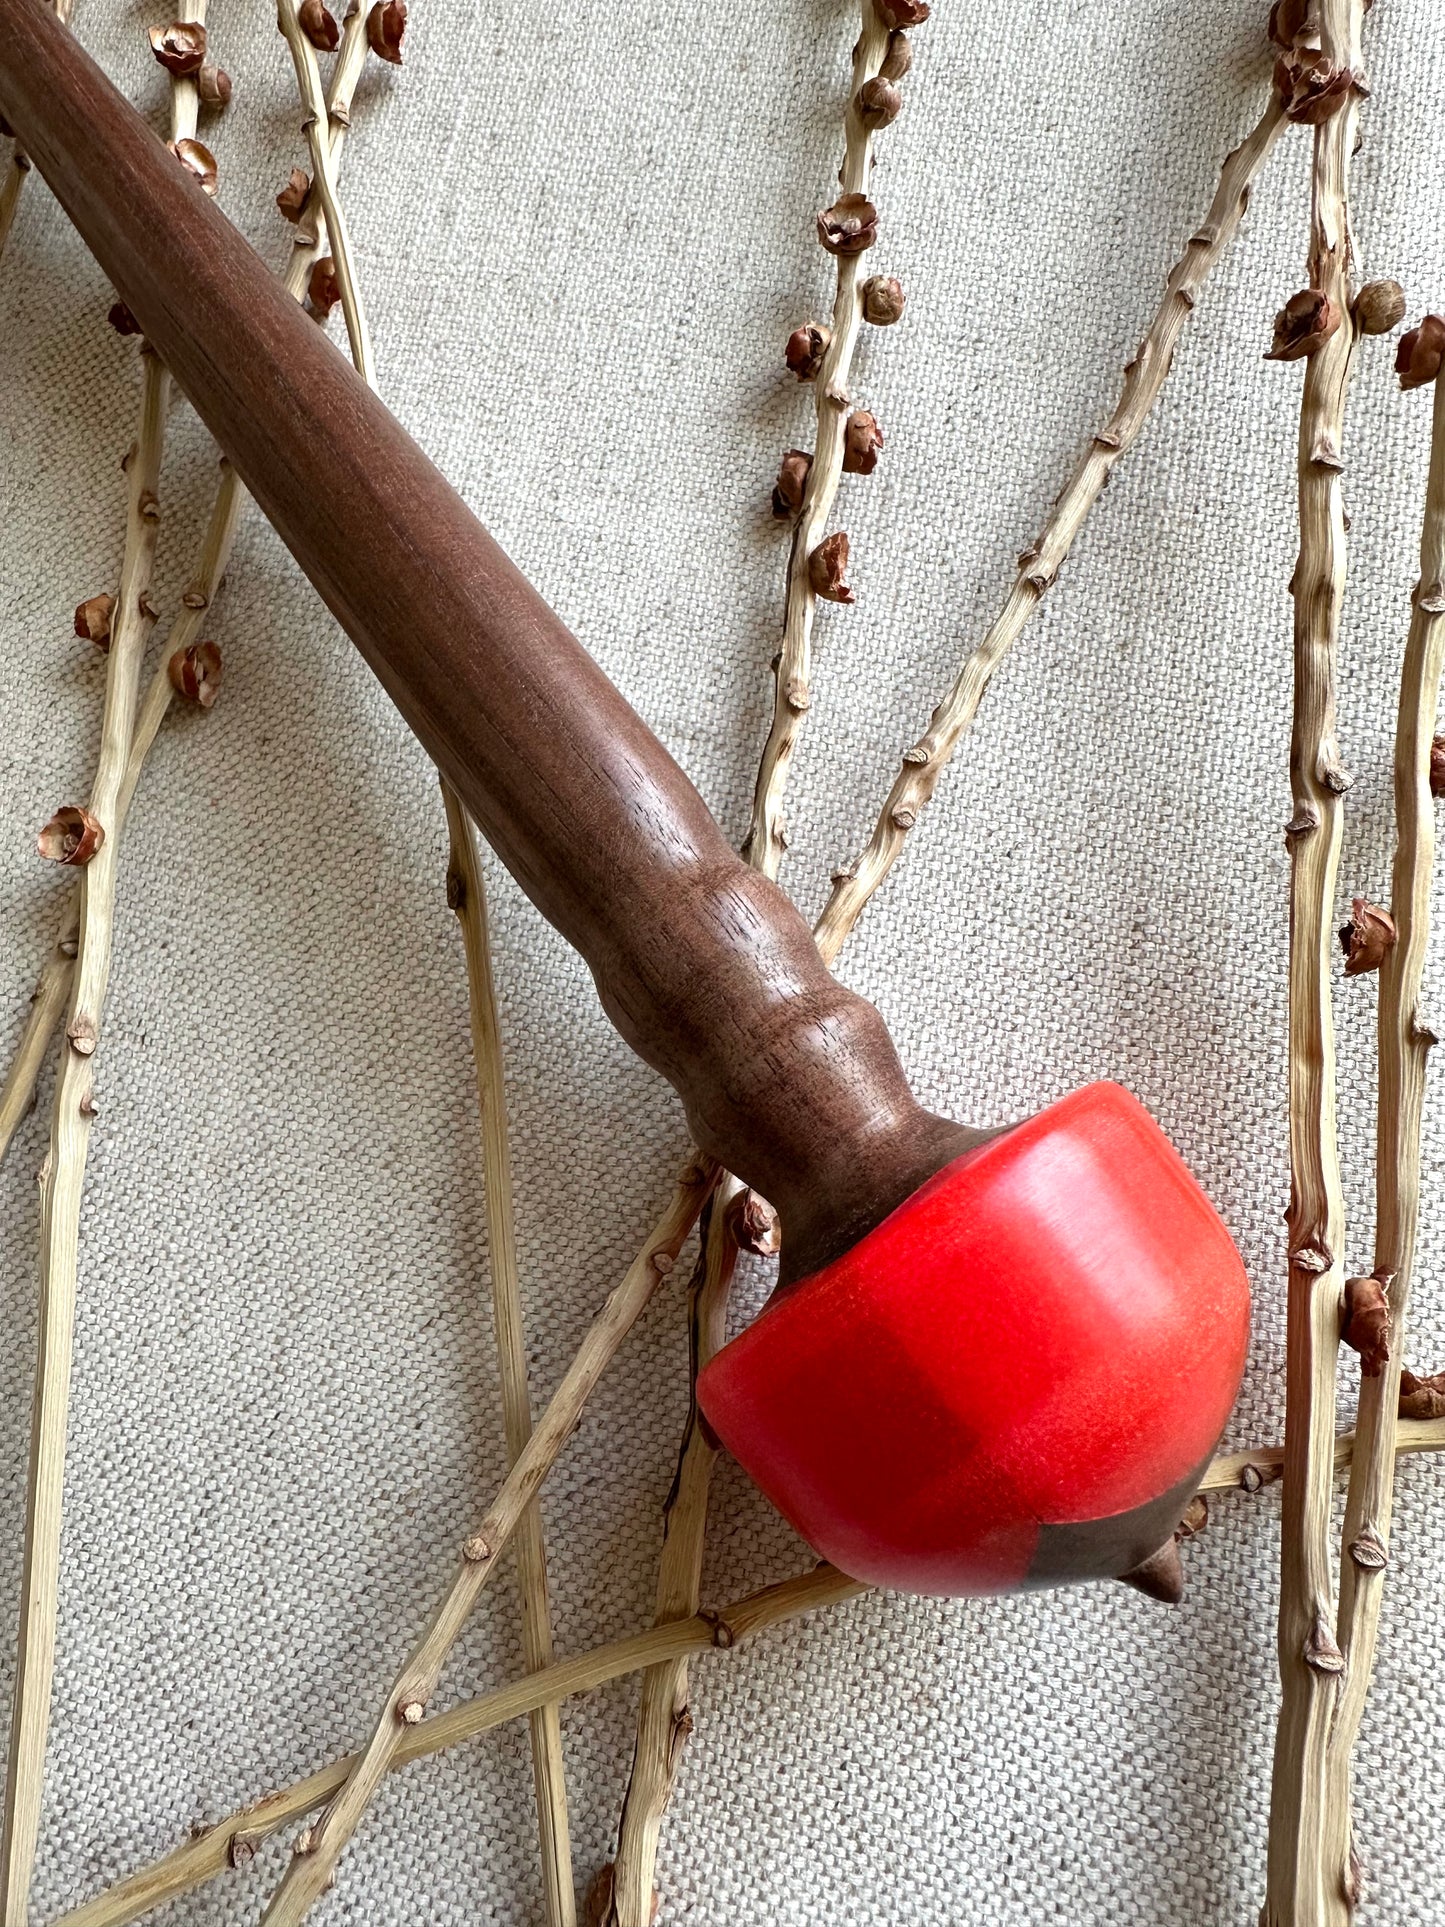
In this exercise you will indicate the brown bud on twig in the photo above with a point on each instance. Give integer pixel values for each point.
(213, 84)
(195, 673)
(71, 836)
(1418, 357)
(792, 480)
(1310, 89)
(1196, 1518)
(882, 300)
(1160, 1576)
(901, 13)
(1379, 307)
(92, 619)
(806, 348)
(318, 23)
(753, 1224)
(198, 160)
(322, 289)
(1304, 323)
(122, 320)
(1422, 1398)
(828, 568)
(879, 102)
(180, 47)
(385, 27)
(1366, 1326)
(1437, 766)
(1369, 933)
(862, 439)
(292, 198)
(1288, 20)
(849, 226)
(899, 57)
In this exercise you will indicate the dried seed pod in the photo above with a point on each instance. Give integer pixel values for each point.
(1369, 933)
(792, 480)
(1379, 307)
(71, 836)
(195, 673)
(878, 101)
(293, 196)
(1287, 21)
(385, 27)
(883, 300)
(1196, 1518)
(754, 1225)
(92, 619)
(1437, 766)
(198, 160)
(1418, 357)
(901, 13)
(828, 568)
(213, 84)
(1422, 1397)
(849, 226)
(318, 23)
(122, 320)
(180, 47)
(806, 348)
(1366, 1326)
(899, 57)
(862, 439)
(1310, 88)
(1304, 323)
(322, 289)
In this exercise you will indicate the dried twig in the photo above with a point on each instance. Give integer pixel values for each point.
(663, 1721)
(17, 1094)
(321, 1846)
(323, 165)
(1144, 377)
(1402, 1047)
(466, 893)
(62, 1176)
(232, 1842)
(829, 373)
(52, 993)
(1322, 86)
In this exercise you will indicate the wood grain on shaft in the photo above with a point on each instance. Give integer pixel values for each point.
(703, 965)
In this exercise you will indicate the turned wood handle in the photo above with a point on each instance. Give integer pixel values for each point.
(704, 966)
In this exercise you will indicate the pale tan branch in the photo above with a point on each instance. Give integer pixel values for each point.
(311, 1868)
(319, 137)
(63, 1173)
(792, 670)
(663, 1720)
(233, 1841)
(17, 1095)
(1299, 1890)
(466, 893)
(924, 761)
(1402, 1046)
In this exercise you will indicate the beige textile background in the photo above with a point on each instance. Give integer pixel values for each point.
(584, 234)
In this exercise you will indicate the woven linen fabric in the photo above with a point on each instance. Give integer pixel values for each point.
(583, 236)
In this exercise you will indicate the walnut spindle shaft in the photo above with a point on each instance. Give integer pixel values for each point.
(704, 966)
